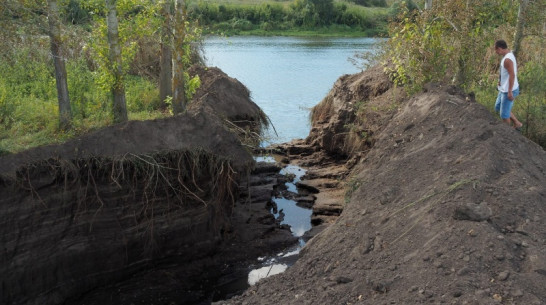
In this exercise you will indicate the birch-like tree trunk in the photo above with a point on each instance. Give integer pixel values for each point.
(166, 70)
(461, 76)
(179, 94)
(518, 36)
(428, 4)
(118, 87)
(65, 112)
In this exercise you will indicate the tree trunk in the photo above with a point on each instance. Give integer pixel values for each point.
(461, 76)
(518, 37)
(65, 112)
(118, 88)
(166, 68)
(179, 94)
(428, 4)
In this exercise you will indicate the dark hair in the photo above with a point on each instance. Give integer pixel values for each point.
(501, 44)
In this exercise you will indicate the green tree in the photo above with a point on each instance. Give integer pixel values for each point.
(179, 92)
(324, 10)
(310, 13)
(65, 112)
(166, 71)
(118, 28)
(118, 87)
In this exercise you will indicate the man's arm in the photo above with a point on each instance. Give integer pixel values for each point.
(509, 66)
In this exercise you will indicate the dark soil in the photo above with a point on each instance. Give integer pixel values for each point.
(445, 204)
(139, 212)
(252, 231)
(227, 98)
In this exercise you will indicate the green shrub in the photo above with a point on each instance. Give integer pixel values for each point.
(530, 106)
(378, 3)
(86, 97)
(451, 46)
(74, 12)
(141, 94)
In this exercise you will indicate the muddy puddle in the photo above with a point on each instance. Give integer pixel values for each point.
(286, 211)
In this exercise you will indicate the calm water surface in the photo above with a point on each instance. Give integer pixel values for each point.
(286, 76)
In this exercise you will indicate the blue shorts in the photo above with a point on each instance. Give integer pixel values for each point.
(504, 105)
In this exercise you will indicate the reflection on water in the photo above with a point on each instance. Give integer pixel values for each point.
(267, 159)
(257, 274)
(288, 212)
(297, 217)
(295, 171)
(286, 76)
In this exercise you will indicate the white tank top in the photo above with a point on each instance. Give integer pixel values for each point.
(504, 76)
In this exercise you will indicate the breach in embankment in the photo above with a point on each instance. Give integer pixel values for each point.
(445, 204)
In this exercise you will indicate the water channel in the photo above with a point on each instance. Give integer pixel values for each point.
(286, 76)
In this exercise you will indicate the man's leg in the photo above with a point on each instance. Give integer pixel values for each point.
(515, 121)
(505, 107)
(498, 102)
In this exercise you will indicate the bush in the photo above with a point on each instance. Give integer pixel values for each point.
(377, 3)
(530, 106)
(453, 46)
(241, 24)
(141, 94)
(74, 13)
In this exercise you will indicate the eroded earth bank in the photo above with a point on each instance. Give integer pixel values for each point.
(154, 212)
(427, 199)
(444, 204)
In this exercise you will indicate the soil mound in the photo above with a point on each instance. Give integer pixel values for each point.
(124, 200)
(345, 122)
(197, 130)
(228, 98)
(448, 206)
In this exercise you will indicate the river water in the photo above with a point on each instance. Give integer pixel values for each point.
(286, 76)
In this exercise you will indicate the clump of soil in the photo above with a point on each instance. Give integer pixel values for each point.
(447, 206)
(228, 98)
(345, 122)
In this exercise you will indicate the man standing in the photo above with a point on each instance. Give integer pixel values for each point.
(508, 85)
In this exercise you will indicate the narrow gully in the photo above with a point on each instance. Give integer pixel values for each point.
(286, 211)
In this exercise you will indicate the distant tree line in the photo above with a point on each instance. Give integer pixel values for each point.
(305, 14)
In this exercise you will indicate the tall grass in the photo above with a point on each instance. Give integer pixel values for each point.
(29, 106)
